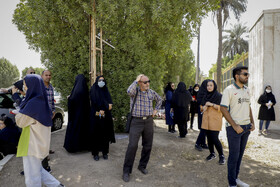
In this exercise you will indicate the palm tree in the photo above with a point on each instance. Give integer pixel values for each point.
(235, 41)
(222, 15)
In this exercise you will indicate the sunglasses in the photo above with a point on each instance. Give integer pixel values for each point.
(145, 82)
(32, 72)
(245, 74)
(100, 80)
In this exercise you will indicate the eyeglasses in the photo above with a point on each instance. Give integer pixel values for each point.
(145, 82)
(245, 74)
(32, 72)
(100, 80)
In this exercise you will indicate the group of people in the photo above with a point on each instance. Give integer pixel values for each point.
(211, 106)
(90, 124)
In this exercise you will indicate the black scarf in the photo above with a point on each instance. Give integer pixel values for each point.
(193, 92)
(100, 97)
(168, 87)
(268, 96)
(202, 91)
(212, 97)
(181, 96)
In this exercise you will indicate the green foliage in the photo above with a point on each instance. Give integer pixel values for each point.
(235, 42)
(222, 14)
(9, 73)
(226, 62)
(150, 36)
(38, 71)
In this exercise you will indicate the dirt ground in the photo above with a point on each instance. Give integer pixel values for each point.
(174, 162)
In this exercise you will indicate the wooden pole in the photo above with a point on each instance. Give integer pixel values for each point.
(101, 52)
(93, 46)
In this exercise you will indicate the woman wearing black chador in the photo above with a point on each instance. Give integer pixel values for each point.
(101, 121)
(77, 133)
(180, 103)
(266, 113)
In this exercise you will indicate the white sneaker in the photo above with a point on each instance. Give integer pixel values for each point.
(264, 132)
(241, 183)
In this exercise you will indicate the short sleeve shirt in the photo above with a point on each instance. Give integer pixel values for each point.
(237, 100)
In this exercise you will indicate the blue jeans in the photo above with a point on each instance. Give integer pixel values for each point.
(236, 144)
(266, 124)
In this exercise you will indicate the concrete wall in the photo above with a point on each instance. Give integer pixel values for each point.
(264, 60)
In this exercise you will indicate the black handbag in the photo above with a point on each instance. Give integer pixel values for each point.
(129, 115)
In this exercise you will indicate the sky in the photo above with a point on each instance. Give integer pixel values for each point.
(209, 31)
(13, 45)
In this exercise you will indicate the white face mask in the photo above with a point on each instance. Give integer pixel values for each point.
(268, 91)
(196, 90)
(101, 84)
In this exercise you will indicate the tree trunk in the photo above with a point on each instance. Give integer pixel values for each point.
(197, 79)
(220, 47)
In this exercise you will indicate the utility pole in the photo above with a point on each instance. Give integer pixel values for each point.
(197, 81)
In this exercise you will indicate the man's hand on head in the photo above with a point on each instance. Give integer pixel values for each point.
(139, 77)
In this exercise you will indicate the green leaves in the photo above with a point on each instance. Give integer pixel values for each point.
(9, 73)
(150, 36)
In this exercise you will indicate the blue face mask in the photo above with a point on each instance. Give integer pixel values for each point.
(101, 84)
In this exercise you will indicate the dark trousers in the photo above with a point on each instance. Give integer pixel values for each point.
(192, 118)
(202, 134)
(45, 163)
(103, 146)
(144, 128)
(237, 144)
(182, 126)
(7, 148)
(213, 140)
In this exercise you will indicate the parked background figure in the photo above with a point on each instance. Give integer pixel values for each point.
(201, 139)
(77, 133)
(180, 104)
(35, 119)
(212, 120)
(9, 136)
(266, 112)
(194, 105)
(46, 76)
(101, 120)
(168, 91)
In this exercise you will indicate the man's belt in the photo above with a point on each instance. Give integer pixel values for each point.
(143, 118)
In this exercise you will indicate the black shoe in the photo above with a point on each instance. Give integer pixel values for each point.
(181, 136)
(61, 185)
(96, 157)
(143, 170)
(197, 147)
(222, 160)
(48, 169)
(105, 157)
(211, 157)
(126, 177)
(204, 146)
(22, 172)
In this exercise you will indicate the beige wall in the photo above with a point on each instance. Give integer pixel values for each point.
(264, 60)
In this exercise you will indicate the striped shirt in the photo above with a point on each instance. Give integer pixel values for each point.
(144, 102)
(50, 95)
